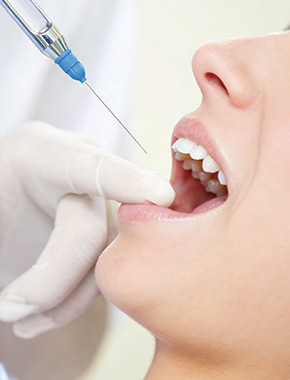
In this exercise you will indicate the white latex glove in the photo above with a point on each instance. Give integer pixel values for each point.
(67, 178)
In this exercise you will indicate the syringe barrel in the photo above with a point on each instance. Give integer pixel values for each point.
(37, 26)
(46, 37)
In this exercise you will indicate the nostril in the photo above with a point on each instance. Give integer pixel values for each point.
(216, 81)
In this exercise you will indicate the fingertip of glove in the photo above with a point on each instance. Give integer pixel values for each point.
(161, 191)
(12, 311)
(21, 333)
(33, 326)
(128, 183)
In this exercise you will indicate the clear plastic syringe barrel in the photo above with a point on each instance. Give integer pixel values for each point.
(29, 14)
(34, 22)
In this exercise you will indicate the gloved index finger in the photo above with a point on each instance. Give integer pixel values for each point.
(111, 177)
(53, 163)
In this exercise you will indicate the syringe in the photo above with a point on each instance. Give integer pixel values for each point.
(47, 38)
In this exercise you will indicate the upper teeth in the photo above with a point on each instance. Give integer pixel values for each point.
(222, 178)
(184, 146)
(209, 165)
(192, 154)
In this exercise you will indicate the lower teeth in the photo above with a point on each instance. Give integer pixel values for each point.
(196, 166)
(214, 186)
(181, 156)
(211, 185)
(187, 165)
(204, 177)
(195, 175)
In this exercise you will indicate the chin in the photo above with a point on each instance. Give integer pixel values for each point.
(123, 276)
(133, 275)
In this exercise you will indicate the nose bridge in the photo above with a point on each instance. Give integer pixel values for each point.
(233, 63)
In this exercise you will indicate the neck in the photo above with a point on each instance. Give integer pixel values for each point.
(170, 365)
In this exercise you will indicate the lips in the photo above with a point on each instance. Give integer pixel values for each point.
(191, 198)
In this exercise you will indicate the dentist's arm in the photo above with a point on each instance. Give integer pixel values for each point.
(67, 177)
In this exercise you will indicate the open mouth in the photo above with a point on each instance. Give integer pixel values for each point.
(198, 180)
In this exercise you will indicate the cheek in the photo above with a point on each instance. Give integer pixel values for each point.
(259, 262)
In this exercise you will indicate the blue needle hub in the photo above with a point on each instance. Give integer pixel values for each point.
(69, 63)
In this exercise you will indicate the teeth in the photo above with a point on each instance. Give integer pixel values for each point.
(204, 177)
(194, 157)
(196, 166)
(198, 153)
(209, 165)
(187, 165)
(222, 177)
(181, 156)
(175, 145)
(214, 186)
(195, 175)
(185, 146)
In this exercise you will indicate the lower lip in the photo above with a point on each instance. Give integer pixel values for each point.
(153, 213)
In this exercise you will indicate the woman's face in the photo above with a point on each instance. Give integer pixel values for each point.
(218, 282)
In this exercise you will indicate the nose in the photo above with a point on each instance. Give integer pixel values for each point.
(226, 68)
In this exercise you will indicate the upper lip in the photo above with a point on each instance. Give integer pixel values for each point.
(194, 130)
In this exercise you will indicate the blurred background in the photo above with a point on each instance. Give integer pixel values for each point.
(160, 90)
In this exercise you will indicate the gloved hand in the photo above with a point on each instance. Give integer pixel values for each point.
(50, 174)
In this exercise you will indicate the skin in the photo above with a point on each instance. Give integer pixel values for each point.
(215, 291)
